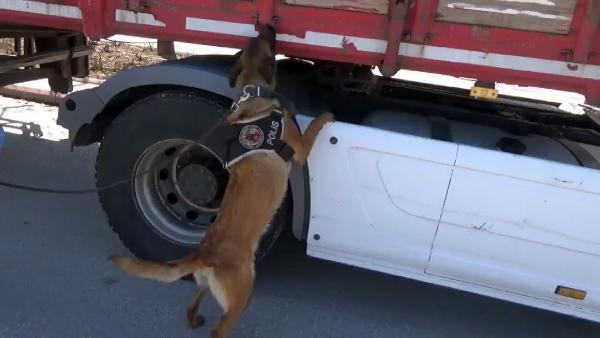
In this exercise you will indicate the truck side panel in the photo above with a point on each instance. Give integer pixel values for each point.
(530, 15)
(428, 42)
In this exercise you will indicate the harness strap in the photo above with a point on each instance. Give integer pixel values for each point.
(232, 143)
(286, 152)
(251, 91)
(243, 138)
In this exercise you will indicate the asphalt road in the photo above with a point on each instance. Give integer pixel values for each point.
(55, 280)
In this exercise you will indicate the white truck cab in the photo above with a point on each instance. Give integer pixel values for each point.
(452, 203)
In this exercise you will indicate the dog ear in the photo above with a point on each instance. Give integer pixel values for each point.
(236, 69)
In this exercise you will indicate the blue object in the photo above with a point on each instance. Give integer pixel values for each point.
(1, 136)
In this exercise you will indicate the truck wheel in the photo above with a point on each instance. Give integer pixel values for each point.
(177, 184)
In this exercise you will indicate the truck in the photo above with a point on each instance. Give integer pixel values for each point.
(477, 189)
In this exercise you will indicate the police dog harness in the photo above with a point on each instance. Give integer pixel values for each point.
(244, 138)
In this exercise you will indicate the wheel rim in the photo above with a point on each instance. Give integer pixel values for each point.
(178, 187)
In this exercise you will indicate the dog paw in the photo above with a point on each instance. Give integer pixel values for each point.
(328, 117)
(122, 262)
(116, 258)
(195, 322)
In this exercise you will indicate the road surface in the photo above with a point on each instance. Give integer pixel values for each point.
(55, 280)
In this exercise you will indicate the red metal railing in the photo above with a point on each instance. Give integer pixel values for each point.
(409, 36)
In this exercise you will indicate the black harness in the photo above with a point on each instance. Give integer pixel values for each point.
(247, 137)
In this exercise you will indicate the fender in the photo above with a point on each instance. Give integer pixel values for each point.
(208, 73)
(87, 113)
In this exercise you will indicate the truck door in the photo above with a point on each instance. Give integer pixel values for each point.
(376, 197)
(522, 225)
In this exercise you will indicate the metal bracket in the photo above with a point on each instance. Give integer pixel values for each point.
(166, 49)
(397, 12)
(566, 54)
(45, 57)
(592, 112)
(265, 10)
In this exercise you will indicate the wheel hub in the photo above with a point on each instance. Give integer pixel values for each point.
(197, 184)
(178, 187)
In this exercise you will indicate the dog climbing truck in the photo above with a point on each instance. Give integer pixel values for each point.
(481, 186)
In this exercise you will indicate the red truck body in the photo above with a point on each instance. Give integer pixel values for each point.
(550, 44)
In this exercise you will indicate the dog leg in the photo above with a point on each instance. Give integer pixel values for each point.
(307, 140)
(193, 318)
(237, 286)
(226, 323)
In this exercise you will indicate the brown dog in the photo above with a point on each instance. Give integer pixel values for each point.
(224, 263)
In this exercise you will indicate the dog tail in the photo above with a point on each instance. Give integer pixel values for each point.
(162, 272)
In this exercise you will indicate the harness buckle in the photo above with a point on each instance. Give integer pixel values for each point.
(235, 106)
(245, 93)
(245, 96)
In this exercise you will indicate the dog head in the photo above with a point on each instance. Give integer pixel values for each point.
(256, 63)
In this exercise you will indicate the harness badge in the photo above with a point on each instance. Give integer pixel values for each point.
(251, 137)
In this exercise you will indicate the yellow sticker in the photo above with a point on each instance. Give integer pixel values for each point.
(484, 93)
(570, 292)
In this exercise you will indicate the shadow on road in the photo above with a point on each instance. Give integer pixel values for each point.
(25, 128)
(371, 304)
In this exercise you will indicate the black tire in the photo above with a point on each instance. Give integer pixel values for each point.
(170, 115)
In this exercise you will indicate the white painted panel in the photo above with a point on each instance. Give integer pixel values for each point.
(504, 61)
(525, 210)
(38, 7)
(373, 199)
(122, 15)
(522, 225)
(365, 263)
(529, 169)
(378, 195)
(336, 41)
(220, 27)
(516, 266)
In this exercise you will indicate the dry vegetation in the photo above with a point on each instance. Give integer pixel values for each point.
(7, 46)
(110, 57)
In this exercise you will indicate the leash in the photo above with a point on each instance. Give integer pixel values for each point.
(110, 185)
(253, 91)
(248, 92)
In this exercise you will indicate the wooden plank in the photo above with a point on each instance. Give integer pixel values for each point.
(550, 16)
(371, 6)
